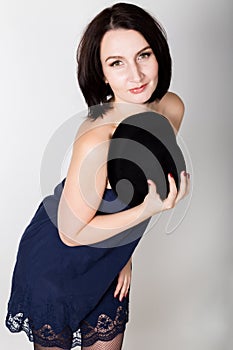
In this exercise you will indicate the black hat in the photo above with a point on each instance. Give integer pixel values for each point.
(143, 147)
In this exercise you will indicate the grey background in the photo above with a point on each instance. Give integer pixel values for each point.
(181, 294)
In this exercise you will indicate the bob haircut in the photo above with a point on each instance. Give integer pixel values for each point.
(96, 92)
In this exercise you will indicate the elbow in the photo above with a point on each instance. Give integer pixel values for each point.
(69, 225)
(68, 241)
(68, 230)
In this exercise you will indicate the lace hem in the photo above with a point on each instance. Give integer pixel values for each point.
(105, 330)
(45, 336)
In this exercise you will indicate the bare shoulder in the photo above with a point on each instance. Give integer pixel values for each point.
(172, 107)
(94, 130)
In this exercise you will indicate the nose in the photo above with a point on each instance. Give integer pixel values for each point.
(135, 73)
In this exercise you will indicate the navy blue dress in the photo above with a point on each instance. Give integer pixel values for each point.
(61, 295)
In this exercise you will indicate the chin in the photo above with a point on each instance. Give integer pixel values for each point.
(141, 99)
(137, 98)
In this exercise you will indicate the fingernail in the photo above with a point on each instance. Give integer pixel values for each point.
(185, 174)
(170, 175)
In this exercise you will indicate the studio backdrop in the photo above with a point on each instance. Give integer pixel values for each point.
(182, 287)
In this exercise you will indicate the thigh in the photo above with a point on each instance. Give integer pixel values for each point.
(40, 347)
(106, 322)
(114, 344)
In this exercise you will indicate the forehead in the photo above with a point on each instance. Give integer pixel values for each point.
(122, 42)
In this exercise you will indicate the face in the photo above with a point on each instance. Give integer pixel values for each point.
(129, 65)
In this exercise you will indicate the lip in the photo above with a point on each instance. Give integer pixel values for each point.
(138, 90)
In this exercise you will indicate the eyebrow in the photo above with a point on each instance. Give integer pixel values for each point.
(120, 57)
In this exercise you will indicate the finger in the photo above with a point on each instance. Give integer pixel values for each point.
(172, 187)
(188, 184)
(152, 186)
(153, 190)
(170, 200)
(118, 288)
(187, 189)
(127, 291)
(123, 289)
(183, 185)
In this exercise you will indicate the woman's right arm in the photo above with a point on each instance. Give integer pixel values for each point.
(84, 188)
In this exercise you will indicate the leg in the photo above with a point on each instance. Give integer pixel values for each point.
(114, 344)
(51, 340)
(39, 347)
(104, 327)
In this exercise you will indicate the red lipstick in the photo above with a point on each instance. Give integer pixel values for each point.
(138, 90)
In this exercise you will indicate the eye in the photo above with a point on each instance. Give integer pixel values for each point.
(145, 55)
(116, 63)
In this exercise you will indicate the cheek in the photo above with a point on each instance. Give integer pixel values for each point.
(116, 79)
(156, 68)
(153, 73)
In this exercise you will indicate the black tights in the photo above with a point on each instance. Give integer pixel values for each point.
(114, 344)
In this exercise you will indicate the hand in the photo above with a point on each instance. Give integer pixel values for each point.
(155, 204)
(124, 280)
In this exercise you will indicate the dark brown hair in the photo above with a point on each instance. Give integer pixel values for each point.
(90, 74)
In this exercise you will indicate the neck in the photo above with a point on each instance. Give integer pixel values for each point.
(123, 110)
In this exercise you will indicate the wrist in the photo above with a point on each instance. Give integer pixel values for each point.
(146, 212)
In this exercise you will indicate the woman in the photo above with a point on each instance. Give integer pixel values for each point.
(68, 288)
